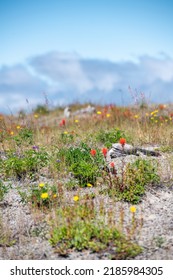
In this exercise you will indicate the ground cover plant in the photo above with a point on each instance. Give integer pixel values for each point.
(60, 169)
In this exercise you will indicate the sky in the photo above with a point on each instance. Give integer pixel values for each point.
(86, 51)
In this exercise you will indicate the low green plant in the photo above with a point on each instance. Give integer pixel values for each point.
(67, 137)
(40, 195)
(24, 136)
(30, 162)
(135, 179)
(81, 227)
(84, 166)
(3, 189)
(108, 137)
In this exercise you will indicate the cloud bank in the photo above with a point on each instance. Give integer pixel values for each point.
(67, 78)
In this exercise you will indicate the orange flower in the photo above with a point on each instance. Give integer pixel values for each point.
(122, 141)
(93, 152)
(104, 151)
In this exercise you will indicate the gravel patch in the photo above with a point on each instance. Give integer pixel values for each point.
(154, 220)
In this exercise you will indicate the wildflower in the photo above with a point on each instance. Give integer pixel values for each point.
(89, 185)
(11, 133)
(93, 152)
(41, 185)
(122, 141)
(136, 116)
(65, 132)
(35, 116)
(104, 151)
(112, 164)
(76, 198)
(76, 121)
(35, 148)
(132, 209)
(44, 195)
(54, 196)
(62, 122)
(108, 115)
(162, 106)
(147, 114)
(99, 112)
(154, 112)
(18, 126)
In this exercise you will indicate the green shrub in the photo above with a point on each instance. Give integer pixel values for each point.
(85, 167)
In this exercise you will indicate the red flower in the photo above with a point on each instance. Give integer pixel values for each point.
(62, 123)
(93, 152)
(122, 141)
(104, 151)
(112, 164)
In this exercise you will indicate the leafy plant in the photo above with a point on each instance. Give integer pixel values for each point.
(40, 195)
(85, 167)
(29, 162)
(3, 189)
(80, 227)
(136, 178)
(107, 138)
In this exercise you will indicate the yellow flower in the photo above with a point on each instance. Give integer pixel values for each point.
(99, 113)
(133, 209)
(147, 114)
(11, 133)
(76, 198)
(65, 132)
(41, 185)
(54, 196)
(76, 121)
(44, 195)
(156, 121)
(35, 116)
(108, 115)
(136, 116)
(154, 112)
(89, 185)
(18, 126)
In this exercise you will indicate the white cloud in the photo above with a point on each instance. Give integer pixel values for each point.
(67, 77)
(158, 68)
(63, 68)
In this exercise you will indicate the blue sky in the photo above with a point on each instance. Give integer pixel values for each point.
(88, 50)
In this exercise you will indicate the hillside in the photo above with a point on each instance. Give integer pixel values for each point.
(61, 199)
